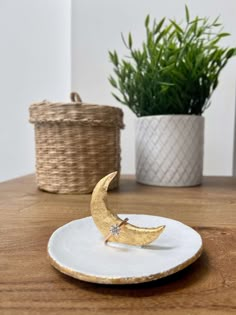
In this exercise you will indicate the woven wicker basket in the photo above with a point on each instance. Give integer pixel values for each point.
(76, 144)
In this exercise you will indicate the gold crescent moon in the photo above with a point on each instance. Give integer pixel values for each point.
(104, 218)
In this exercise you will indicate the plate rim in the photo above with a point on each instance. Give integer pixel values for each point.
(121, 280)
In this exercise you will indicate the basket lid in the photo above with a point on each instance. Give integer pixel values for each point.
(76, 111)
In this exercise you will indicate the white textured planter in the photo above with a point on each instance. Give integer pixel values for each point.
(169, 150)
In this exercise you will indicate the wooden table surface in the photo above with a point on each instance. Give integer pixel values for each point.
(29, 285)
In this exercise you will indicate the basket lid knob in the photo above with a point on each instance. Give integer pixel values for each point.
(75, 97)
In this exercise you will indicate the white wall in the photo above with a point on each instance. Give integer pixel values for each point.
(96, 28)
(34, 65)
(35, 62)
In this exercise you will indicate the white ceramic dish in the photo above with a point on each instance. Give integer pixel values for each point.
(78, 250)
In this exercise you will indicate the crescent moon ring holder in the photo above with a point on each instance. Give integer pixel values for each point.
(129, 258)
(108, 221)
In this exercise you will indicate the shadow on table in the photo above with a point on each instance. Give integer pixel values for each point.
(184, 279)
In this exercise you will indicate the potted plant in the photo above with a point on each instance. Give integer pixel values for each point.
(168, 83)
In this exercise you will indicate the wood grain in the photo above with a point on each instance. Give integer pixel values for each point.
(29, 285)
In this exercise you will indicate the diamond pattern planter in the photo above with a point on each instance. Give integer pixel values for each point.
(169, 150)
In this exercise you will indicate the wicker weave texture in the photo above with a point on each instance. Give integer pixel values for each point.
(76, 145)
